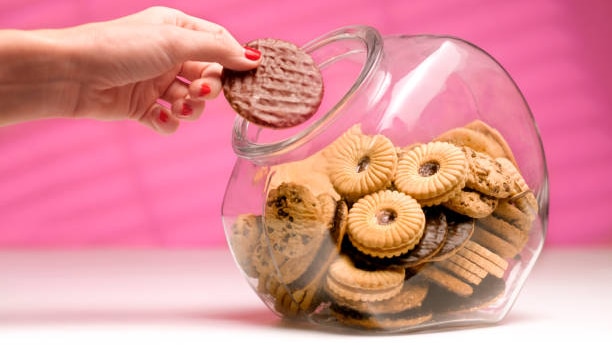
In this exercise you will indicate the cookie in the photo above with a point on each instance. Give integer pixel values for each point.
(468, 265)
(495, 136)
(317, 178)
(445, 279)
(285, 90)
(494, 243)
(294, 220)
(523, 197)
(346, 281)
(510, 210)
(463, 136)
(459, 229)
(488, 176)
(411, 296)
(472, 203)
(361, 164)
(297, 290)
(432, 172)
(287, 301)
(243, 239)
(304, 294)
(340, 223)
(401, 310)
(384, 322)
(445, 304)
(483, 257)
(297, 225)
(385, 224)
(515, 236)
(432, 241)
(460, 272)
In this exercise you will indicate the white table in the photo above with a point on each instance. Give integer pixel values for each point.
(199, 297)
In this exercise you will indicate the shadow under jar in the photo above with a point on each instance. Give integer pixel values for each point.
(416, 198)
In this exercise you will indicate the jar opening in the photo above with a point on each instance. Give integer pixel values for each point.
(346, 58)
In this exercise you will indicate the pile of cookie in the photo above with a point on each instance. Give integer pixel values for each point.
(378, 236)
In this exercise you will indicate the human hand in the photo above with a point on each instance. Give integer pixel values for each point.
(158, 66)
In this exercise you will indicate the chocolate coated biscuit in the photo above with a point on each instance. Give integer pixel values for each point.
(285, 90)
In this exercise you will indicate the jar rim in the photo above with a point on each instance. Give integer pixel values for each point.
(372, 44)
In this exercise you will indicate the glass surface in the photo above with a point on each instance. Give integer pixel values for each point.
(416, 198)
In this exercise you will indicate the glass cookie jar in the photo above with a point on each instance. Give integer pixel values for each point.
(416, 198)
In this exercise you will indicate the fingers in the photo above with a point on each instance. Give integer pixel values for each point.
(206, 79)
(182, 104)
(213, 42)
(160, 119)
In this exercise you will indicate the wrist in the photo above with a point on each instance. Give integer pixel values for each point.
(35, 76)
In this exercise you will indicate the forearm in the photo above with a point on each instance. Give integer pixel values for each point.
(35, 76)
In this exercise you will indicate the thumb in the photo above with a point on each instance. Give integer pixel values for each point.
(215, 46)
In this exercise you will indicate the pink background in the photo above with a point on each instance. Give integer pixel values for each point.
(84, 184)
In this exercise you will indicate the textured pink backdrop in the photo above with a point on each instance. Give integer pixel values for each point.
(77, 184)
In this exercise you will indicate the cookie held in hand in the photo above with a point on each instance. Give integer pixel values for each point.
(284, 91)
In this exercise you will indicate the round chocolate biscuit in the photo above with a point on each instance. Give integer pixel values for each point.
(285, 90)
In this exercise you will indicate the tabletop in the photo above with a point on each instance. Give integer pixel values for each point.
(155, 296)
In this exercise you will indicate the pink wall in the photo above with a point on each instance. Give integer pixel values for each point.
(76, 184)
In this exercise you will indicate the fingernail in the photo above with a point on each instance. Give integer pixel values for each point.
(187, 110)
(204, 90)
(163, 116)
(252, 53)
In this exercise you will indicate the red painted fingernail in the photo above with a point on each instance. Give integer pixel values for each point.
(204, 90)
(187, 110)
(163, 116)
(252, 53)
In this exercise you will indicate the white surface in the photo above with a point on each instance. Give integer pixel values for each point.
(199, 297)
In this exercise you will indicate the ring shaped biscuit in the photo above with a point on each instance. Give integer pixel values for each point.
(346, 281)
(385, 224)
(432, 172)
(361, 164)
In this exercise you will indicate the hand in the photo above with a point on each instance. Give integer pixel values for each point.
(158, 67)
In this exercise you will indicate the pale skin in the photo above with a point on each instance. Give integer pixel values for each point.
(158, 67)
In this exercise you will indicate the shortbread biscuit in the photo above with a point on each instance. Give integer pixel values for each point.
(385, 224)
(494, 243)
(285, 90)
(483, 257)
(447, 305)
(515, 236)
(460, 272)
(445, 279)
(431, 173)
